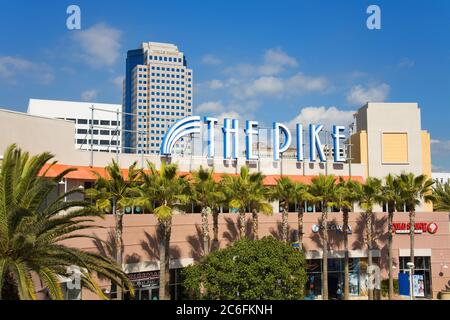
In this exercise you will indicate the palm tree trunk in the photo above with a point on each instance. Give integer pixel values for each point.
(369, 251)
(215, 215)
(255, 224)
(164, 256)
(390, 236)
(325, 254)
(346, 256)
(412, 221)
(300, 226)
(284, 225)
(9, 291)
(119, 248)
(205, 231)
(241, 225)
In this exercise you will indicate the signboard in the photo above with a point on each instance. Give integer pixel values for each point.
(332, 227)
(419, 227)
(145, 279)
(419, 285)
(193, 124)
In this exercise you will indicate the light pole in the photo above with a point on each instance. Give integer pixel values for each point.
(410, 266)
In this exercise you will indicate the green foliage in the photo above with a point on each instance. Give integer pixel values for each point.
(441, 194)
(246, 191)
(413, 189)
(115, 192)
(385, 287)
(369, 194)
(32, 231)
(165, 188)
(205, 191)
(324, 189)
(248, 270)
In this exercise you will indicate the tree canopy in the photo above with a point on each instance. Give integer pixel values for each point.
(249, 270)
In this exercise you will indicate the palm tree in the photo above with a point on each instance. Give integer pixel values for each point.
(33, 227)
(301, 195)
(284, 192)
(206, 193)
(390, 194)
(258, 202)
(369, 196)
(324, 188)
(442, 196)
(346, 195)
(414, 189)
(167, 190)
(239, 190)
(114, 193)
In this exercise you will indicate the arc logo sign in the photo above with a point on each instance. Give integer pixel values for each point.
(230, 129)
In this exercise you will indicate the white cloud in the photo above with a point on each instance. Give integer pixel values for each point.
(243, 70)
(216, 84)
(440, 147)
(360, 95)
(322, 115)
(12, 68)
(230, 115)
(406, 63)
(264, 85)
(302, 83)
(210, 106)
(211, 59)
(440, 155)
(100, 44)
(295, 85)
(118, 81)
(275, 61)
(89, 95)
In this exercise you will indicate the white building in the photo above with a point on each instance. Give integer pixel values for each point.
(106, 128)
(159, 85)
(441, 177)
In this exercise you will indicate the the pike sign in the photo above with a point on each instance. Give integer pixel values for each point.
(230, 129)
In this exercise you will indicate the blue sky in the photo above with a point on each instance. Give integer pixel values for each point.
(277, 60)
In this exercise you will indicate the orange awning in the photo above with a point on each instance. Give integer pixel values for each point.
(86, 173)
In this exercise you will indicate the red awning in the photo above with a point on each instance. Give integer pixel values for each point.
(86, 173)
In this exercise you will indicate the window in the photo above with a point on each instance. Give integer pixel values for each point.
(422, 270)
(82, 121)
(395, 147)
(104, 122)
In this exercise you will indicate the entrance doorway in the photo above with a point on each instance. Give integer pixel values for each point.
(147, 294)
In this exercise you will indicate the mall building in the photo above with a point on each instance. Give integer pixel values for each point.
(386, 138)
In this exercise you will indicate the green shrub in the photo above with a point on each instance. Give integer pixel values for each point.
(385, 287)
(249, 270)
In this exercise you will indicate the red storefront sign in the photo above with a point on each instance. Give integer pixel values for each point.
(419, 227)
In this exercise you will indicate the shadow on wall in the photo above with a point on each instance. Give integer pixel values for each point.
(336, 239)
(232, 233)
(150, 246)
(380, 235)
(277, 233)
(195, 241)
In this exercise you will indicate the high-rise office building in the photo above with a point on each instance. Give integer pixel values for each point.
(157, 92)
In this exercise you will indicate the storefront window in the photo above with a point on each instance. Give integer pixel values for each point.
(335, 278)
(422, 273)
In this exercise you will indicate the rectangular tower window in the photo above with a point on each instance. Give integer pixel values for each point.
(395, 148)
